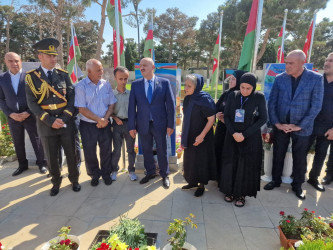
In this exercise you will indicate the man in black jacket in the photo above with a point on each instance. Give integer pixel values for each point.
(13, 103)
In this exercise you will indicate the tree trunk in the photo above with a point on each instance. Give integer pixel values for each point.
(137, 23)
(170, 52)
(263, 47)
(7, 34)
(101, 31)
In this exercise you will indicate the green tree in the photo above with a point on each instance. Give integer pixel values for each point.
(131, 56)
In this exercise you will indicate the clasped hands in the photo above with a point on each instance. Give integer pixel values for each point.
(19, 117)
(238, 137)
(287, 128)
(102, 123)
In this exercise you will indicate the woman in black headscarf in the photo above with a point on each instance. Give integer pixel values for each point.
(197, 135)
(245, 113)
(234, 83)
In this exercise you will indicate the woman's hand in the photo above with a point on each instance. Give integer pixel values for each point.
(220, 116)
(199, 139)
(238, 137)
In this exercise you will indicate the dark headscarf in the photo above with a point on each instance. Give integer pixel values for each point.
(237, 74)
(199, 98)
(251, 79)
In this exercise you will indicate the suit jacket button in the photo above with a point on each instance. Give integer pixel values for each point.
(54, 96)
(56, 116)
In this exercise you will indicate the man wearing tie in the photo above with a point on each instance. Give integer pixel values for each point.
(151, 113)
(50, 97)
(13, 103)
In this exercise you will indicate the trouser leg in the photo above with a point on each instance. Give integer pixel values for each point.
(117, 144)
(105, 147)
(17, 132)
(130, 141)
(68, 144)
(320, 154)
(161, 147)
(147, 149)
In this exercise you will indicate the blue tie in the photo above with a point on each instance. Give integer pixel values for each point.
(150, 91)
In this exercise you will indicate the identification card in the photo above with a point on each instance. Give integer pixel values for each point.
(239, 115)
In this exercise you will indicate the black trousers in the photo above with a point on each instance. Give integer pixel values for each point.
(17, 132)
(299, 153)
(320, 154)
(52, 146)
(91, 135)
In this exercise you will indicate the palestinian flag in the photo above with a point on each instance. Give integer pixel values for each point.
(149, 43)
(246, 58)
(74, 56)
(307, 44)
(215, 56)
(112, 19)
(277, 46)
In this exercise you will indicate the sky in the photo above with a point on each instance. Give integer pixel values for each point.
(199, 8)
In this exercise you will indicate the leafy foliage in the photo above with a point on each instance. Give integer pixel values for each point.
(6, 141)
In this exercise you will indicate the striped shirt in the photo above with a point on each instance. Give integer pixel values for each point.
(95, 97)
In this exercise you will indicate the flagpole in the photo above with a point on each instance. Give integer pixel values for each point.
(258, 28)
(117, 31)
(283, 34)
(312, 35)
(218, 57)
(152, 23)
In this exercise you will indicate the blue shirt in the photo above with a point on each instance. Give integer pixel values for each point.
(15, 79)
(95, 97)
(147, 85)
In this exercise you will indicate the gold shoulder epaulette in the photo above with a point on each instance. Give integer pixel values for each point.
(30, 71)
(63, 70)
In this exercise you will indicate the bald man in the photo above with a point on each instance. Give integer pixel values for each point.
(13, 103)
(294, 102)
(95, 100)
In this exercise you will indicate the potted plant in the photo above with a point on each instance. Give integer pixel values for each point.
(177, 228)
(7, 150)
(127, 234)
(64, 241)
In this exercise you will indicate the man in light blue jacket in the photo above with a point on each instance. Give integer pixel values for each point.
(294, 102)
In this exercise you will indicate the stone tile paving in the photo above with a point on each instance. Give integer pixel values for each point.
(29, 216)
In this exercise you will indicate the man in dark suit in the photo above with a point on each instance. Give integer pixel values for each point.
(50, 97)
(295, 101)
(13, 103)
(151, 112)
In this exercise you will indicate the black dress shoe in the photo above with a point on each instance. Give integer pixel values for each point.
(166, 182)
(271, 185)
(199, 192)
(19, 171)
(94, 182)
(147, 178)
(76, 187)
(327, 180)
(42, 170)
(189, 186)
(54, 191)
(316, 185)
(107, 181)
(299, 193)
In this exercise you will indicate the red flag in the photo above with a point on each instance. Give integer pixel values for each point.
(277, 46)
(308, 40)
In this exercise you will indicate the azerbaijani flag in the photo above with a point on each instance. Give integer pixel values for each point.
(112, 19)
(246, 58)
(74, 56)
(277, 47)
(308, 41)
(215, 57)
(149, 43)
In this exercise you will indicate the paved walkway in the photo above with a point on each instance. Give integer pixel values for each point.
(29, 216)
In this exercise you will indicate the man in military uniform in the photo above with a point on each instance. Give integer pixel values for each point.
(50, 97)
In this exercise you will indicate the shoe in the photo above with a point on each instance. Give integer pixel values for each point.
(240, 201)
(114, 176)
(271, 185)
(54, 191)
(43, 170)
(132, 176)
(316, 185)
(147, 178)
(94, 182)
(19, 171)
(299, 193)
(199, 192)
(166, 182)
(189, 186)
(327, 180)
(76, 187)
(108, 181)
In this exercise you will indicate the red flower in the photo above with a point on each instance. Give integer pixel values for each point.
(319, 217)
(313, 212)
(67, 242)
(305, 209)
(288, 221)
(137, 248)
(331, 225)
(103, 246)
(3, 127)
(62, 242)
(281, 213)
(69, 227)
(0, 245)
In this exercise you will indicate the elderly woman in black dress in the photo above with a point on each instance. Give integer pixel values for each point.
(245, 113)
(197, 135)
(220, 131)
